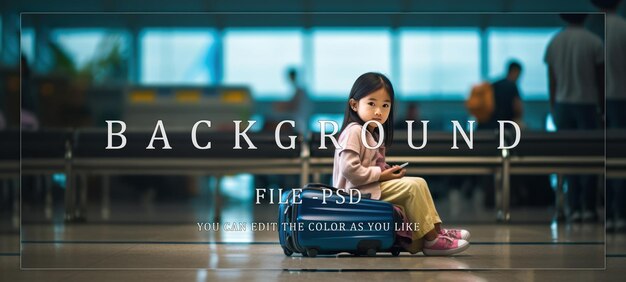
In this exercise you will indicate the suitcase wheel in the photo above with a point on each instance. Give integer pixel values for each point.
(371, 252)
(287, 252)
(395, 252)
(311, 252)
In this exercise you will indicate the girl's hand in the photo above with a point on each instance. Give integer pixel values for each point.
(394, 172)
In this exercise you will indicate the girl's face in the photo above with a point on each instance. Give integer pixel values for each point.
(375, 106)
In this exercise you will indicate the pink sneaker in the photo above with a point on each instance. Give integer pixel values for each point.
(456, 233)
(444, 246)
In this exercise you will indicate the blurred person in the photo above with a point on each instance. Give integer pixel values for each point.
(298, 108)
(3, 123)
(500, 101)
(575, 59)
(28, 118)
(507, 101)
(615, 44)
(412, 113)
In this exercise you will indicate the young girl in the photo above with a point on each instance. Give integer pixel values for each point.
(356, 166)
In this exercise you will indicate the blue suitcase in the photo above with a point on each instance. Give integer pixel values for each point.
(313, 228)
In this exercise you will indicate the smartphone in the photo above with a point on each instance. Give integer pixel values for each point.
(401, 166)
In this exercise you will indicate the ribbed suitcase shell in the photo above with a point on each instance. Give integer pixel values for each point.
(312, 212)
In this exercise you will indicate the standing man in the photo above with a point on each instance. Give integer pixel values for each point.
(615, 43)
(298, 108)
(575, 59)
(507, 101)
(507, 105)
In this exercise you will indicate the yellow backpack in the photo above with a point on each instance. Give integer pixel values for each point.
(480, 103)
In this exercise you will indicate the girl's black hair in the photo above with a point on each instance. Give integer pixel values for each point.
(363, 86)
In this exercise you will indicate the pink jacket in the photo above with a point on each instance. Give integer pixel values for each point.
(356, 166)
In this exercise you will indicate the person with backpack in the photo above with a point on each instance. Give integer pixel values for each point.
(490, 102)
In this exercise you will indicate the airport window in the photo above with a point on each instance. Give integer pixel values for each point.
(84, 45)
(315, 125)
(528, 47)
(341, 55)
(550, 126)
(178, 56)
(260, 59)
(28, 44)
(438, 63)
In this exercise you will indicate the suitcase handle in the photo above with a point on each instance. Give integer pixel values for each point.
(343, 192)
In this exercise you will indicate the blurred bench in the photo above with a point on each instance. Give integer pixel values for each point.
(9, 173)
(81, 153)
(615, 153)
(560, 153)
(435, 158)
(9, 154)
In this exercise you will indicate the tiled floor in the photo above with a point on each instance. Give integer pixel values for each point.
(525, 250)
(183, 246)
(9, 271)
(271, 257)
(164, 252)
